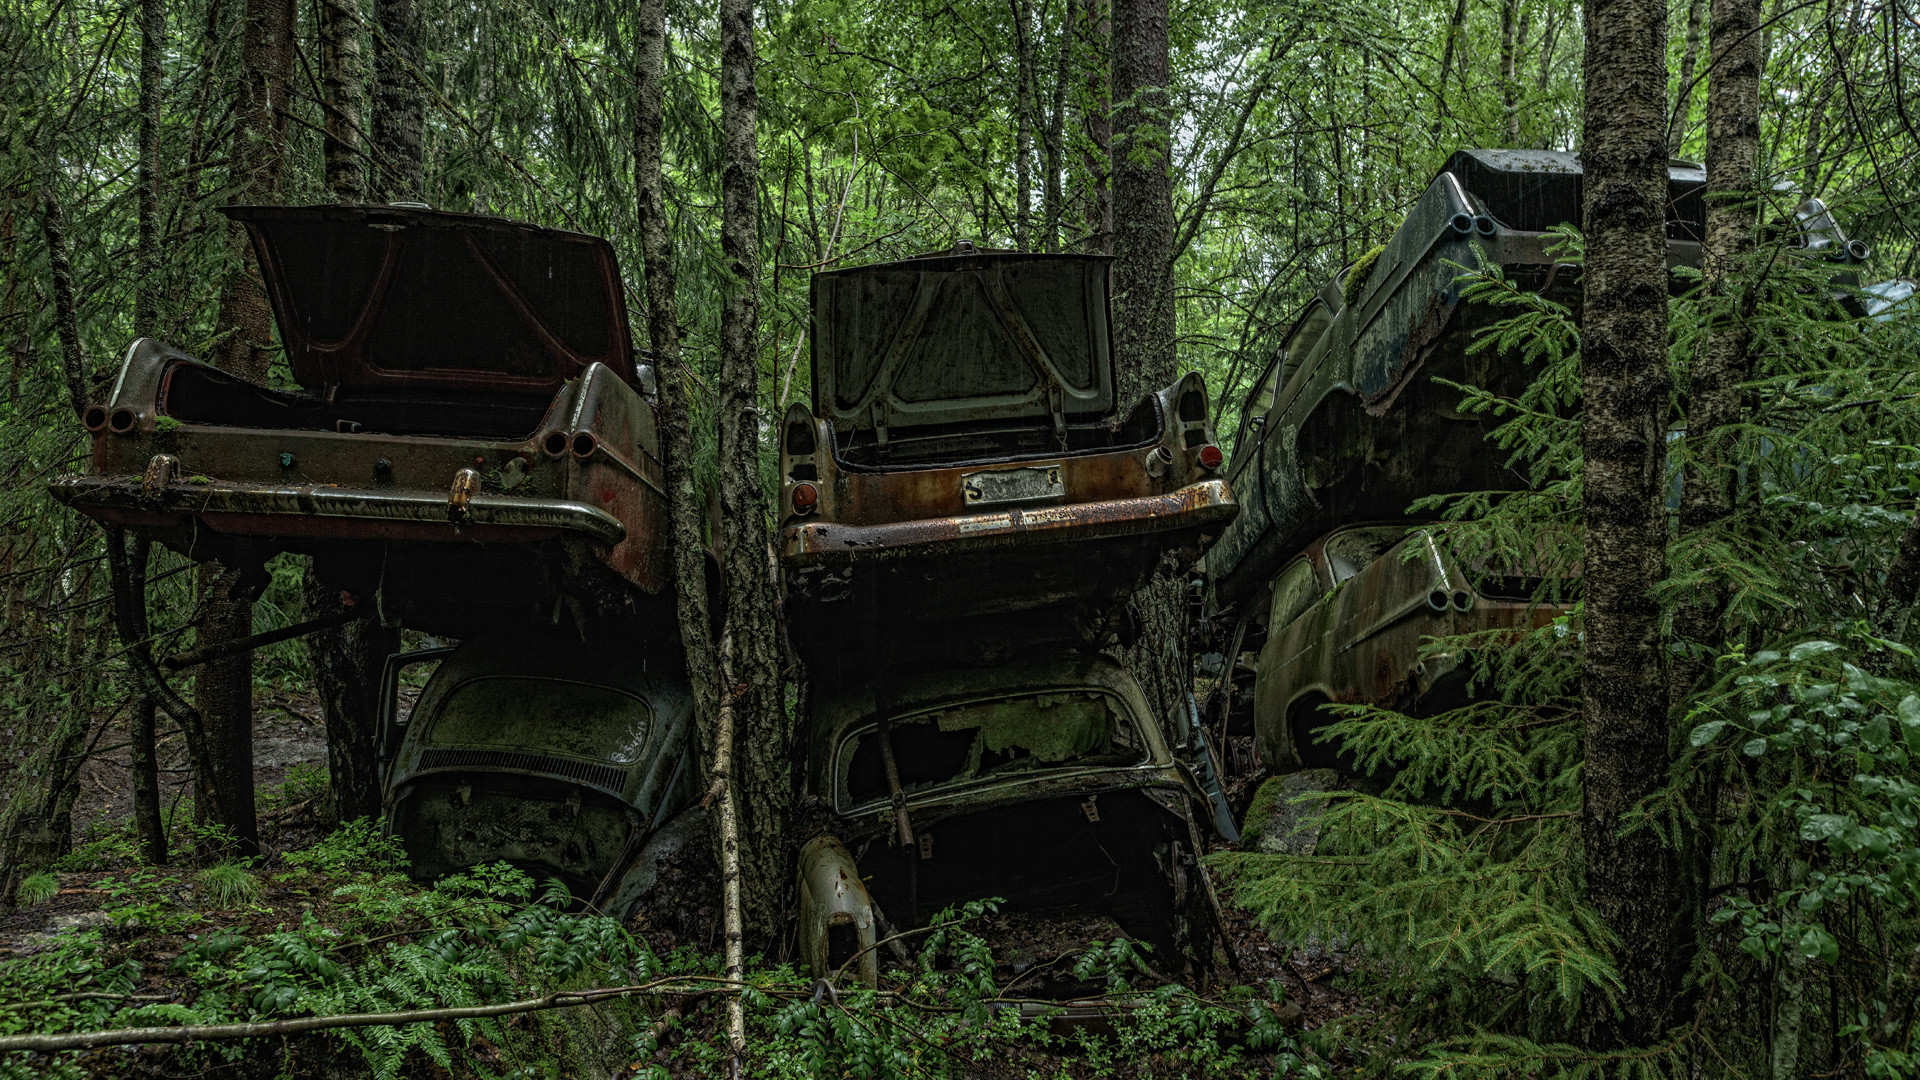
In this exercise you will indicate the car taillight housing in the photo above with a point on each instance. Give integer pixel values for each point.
(805, 498)
(1210, 457)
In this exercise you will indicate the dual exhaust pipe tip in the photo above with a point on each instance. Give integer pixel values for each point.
(557, 444)
(120, 421)
(1466, 224)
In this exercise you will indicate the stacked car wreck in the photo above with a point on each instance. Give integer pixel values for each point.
(470, 450)
(1324, 578)
(965, 511)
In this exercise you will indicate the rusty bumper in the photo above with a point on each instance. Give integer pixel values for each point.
(1197, 506)
(326, 511)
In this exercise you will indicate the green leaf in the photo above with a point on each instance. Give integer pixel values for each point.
(1817, 944)
(1707, 732)
(1807, 649)
(1754, 747)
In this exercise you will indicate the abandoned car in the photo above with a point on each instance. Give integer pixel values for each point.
(1351, 420)
(965, 463)
(1348, 624)
(471, 440)
(566, 760)
(1044, 782)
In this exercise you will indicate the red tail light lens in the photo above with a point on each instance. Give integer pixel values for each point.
(1210, 457)
(805, 498)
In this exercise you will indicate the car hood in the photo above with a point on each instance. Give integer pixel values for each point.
(385, 297)
(945, 339)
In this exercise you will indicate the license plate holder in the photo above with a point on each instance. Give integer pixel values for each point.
(995, 487)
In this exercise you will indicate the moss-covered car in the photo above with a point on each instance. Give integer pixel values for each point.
(1349, 621)
(1044, 782)
(567, 760)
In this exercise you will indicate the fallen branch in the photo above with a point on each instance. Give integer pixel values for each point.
(87, 1040)
(259, 641)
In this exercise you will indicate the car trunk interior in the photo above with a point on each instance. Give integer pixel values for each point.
(995, 441)
(202, 395)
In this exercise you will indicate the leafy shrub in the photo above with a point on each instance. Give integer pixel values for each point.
(37, 889)
(229, 885)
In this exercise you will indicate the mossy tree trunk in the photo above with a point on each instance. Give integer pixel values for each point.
(1634, 881)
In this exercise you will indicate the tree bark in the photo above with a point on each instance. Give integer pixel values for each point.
(1054, 138)
(146, 294)
(399, 112)
(1454, 27)
(1143, 229)
(347, 663)
(127, 578)
(1097, 117)
(53, 226)
(256, 167)
(1632, 880)
(1714, 390)
(763, 741)
(342, 84)
(1510, 27)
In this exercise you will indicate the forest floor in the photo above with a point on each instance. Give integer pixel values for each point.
(290, 755)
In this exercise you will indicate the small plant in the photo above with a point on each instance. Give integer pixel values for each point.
(355, 847)
(229, 885)
(37, 889)
(105, 849)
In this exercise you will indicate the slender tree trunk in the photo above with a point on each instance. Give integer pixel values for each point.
(1097, 112)
(1510, 27)
(256, 164)
(1143, 235)
(128, 574)
(1633, 881)
(1677, 121)
(686, 509)
(1022, 125)
(146, 295)
(342, 84)
(53, 227)
(1054, 211)
(763, 741)
(399, 112)
(347, 662)
(1714, 390)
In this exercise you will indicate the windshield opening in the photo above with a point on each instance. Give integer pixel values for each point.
(982, 739)
(549, 715)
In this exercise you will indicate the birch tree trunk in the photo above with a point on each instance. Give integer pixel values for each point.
(1632, 880)
(1023, 126)
(762, 793)
(1678, 122)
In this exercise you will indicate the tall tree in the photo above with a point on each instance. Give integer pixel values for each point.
(342, 88)
(256, 165)
(1633, 878)
(758, 798)
(346, 659)
(399, 109)
(1096, 116)
(142, 753)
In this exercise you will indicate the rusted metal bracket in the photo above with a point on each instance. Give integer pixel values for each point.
(223, 649)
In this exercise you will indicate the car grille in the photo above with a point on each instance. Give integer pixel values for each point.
(601, 776)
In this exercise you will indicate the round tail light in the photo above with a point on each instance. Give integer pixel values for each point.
(555, 443)
(805, 498)
(95, 418)
(1210, 457)
(122, 421)
(584, 444)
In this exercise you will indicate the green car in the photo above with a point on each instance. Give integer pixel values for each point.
(564, 759)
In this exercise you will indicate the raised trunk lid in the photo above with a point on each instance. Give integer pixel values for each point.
(960, 338)
(384, 297)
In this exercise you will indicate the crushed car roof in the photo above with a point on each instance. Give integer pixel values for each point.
(397, 297)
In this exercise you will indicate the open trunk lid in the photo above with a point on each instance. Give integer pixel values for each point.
(959, 338)
(395, 298)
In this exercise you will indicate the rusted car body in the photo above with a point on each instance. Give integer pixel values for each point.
(1349, 422)
(1044, 782)
(471, 438)
(566, 760)
(1349, 621)
(964, 463)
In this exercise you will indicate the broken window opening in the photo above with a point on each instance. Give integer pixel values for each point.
(980, 740)
(544, 715)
